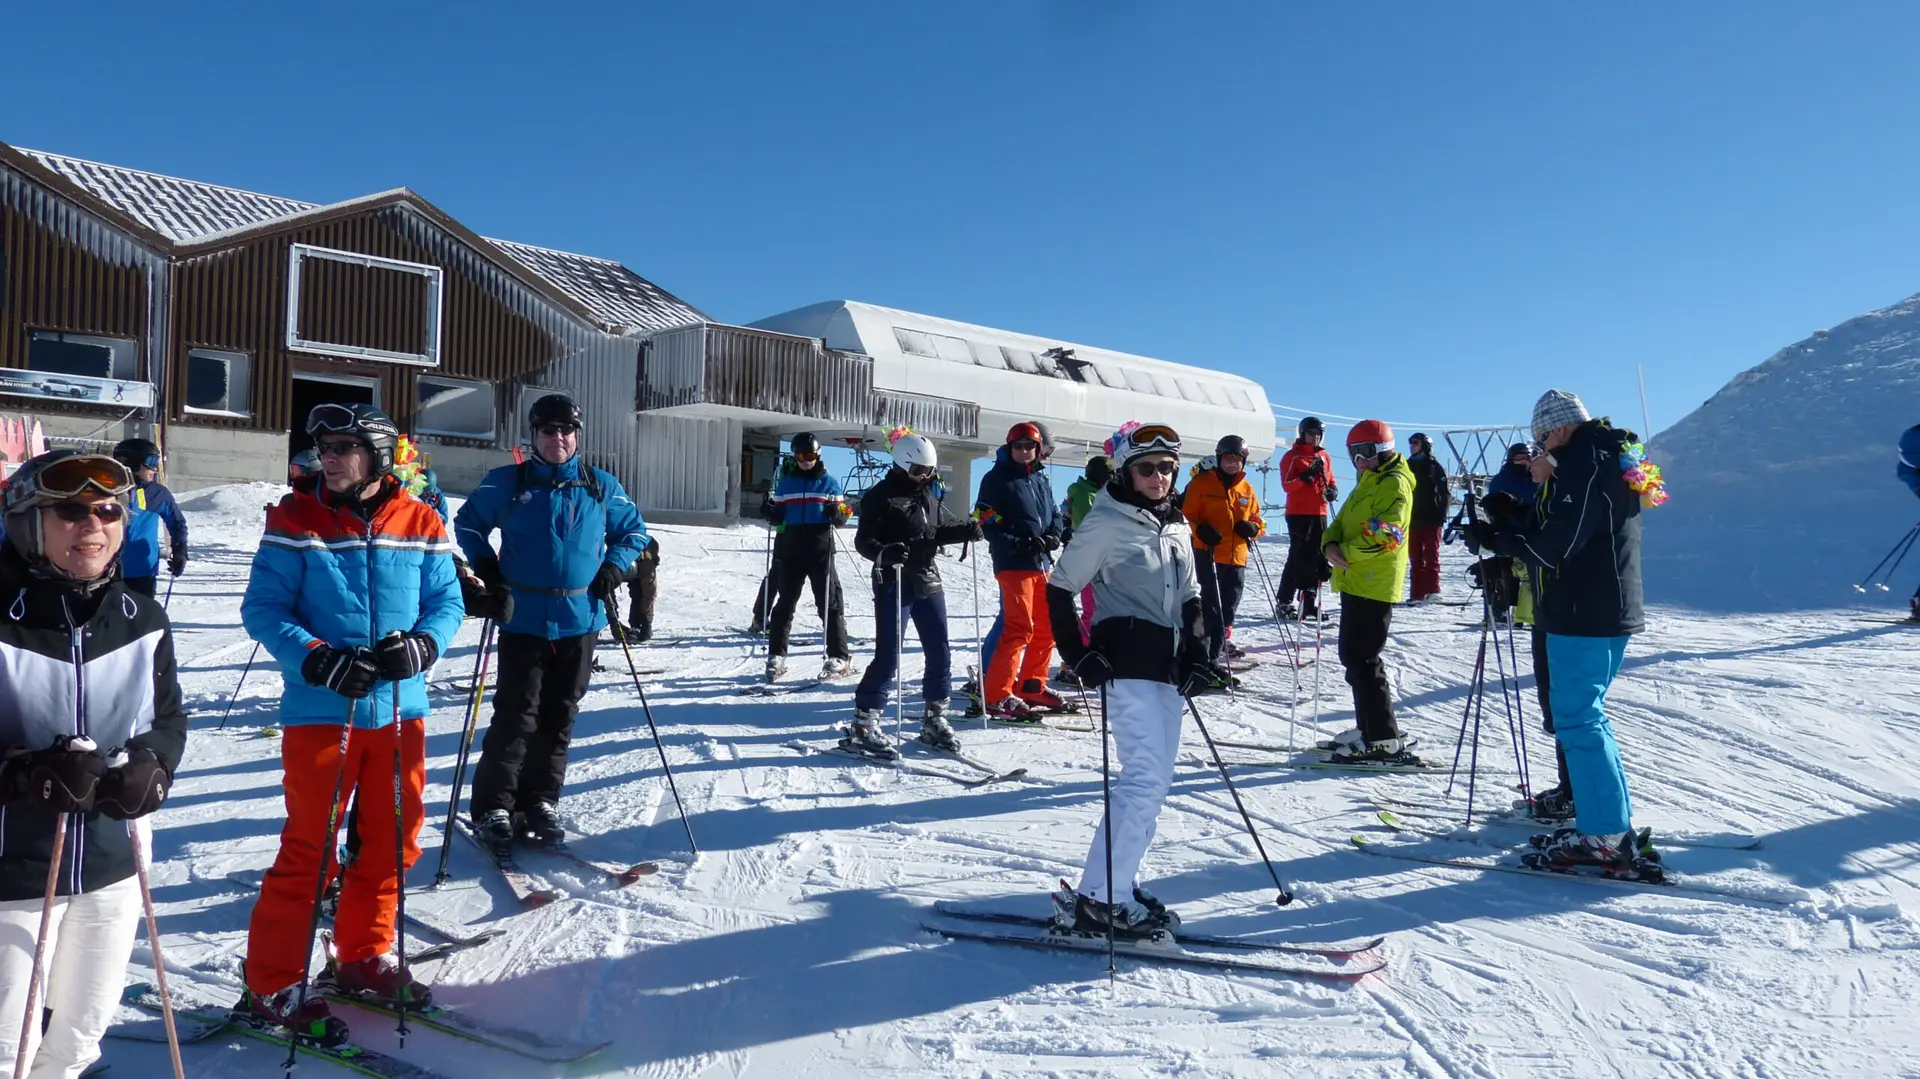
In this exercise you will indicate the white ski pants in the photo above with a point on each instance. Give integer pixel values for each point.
(1145, 720)
(88, 943)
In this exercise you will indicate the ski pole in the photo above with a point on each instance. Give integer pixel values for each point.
(1106, 823)
(326, 860)
(899, 654)
(1476, 706)
(153, 943)
(466, 747)
(30, 1022)
(169, 596)
(980, 641)
(1900, 548)
(251, 656)
(400, 860)
(1506, 701)
(766, 588)
(665, 768)
(1286, 890)
(1319, 624)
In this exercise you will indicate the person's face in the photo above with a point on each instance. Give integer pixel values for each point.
(556, 443)
(1559, 437)
(1231, 464)
(80, 542)
(1420, 446)
(1314, 438)
(921, 474)
(145, 474)
(1025, 451)
(806, 462)
(1365, 464)
(1153, 476)
(346, 464)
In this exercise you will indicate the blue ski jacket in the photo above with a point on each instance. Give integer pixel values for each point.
(332, 573)
(554, 536)
(800, 498)
(153, 506)
(1016, 510)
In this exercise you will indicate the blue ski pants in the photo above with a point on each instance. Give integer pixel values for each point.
(929, 615)
(1582, 669)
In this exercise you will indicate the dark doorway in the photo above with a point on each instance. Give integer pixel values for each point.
(308, 392)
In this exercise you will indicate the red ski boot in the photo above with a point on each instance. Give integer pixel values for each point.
(380, 981)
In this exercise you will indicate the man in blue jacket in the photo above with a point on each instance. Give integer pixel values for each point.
(807, 501)
(153, 506)
(1909, 473)
(1022, 525)
(569, 537)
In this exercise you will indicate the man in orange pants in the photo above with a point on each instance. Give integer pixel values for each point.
(1021, 521)
(355, 593)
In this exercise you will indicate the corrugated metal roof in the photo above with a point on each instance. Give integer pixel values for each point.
(189, 210)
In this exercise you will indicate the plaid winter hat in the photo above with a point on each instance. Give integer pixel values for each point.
(1557, 408)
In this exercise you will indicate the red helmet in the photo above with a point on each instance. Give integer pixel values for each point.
(1374, 432)
(1028, 431)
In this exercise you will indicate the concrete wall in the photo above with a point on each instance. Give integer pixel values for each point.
(460, 468)
(207, 456)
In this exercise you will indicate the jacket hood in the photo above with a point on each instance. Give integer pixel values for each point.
(1165, 510)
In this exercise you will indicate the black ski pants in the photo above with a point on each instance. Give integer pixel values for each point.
(643, 589)
(1543, 683)
(1305, 569)
(1364, 624)
(146, 586)
(805, 556)
(1220, 590)
(523, 759)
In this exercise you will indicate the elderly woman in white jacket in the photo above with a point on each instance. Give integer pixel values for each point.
(1148, 648)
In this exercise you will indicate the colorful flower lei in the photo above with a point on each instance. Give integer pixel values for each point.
(1643, 476)
(898, 433)
(1391, 537)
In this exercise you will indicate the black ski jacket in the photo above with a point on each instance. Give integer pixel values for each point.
(898, 510)
(99, 665)
(1586, 540)
(1432, 497)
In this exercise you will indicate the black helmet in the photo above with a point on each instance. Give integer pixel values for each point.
(1231, 446)
(554, 408)
(1099, 470)
(137, 453)
(362, 421)
(1519, 449)
(1312, 425)
(804, 442)
(1420, 436)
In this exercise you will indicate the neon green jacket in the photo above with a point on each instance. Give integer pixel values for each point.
(1080, 496)
(1371, 529)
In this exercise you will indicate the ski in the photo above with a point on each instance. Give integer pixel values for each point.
(451, 942)
(1395, 814)
(460, 1025)
(1175, 956)
(1342, 950)
(620, 875)
(1670, 885)
(347, 1055)
(526, 888)
(901, 765)
(189, 1028)
(1890, 621)
(1041, 723)
(979, 766)
(780, 689)
(1423, 768)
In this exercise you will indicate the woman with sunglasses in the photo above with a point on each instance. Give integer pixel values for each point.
(1367, 546)
(1148, 649)
(92, 729)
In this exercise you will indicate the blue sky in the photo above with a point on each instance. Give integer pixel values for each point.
(1418, 211)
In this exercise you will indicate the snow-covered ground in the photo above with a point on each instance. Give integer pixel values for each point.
(792, 945)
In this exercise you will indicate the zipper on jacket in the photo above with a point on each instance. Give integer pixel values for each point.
(76, 822)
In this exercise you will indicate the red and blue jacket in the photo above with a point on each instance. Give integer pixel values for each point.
(344, 574)
(803, 498)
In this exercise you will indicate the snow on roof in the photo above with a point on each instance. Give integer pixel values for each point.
(187, 211)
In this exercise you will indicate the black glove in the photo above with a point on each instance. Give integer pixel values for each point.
(58, 779)
(177, 561)
(1199, 675)
(1246, 530)
(349, 672)
(135, 788)
(485, 602)
(607, 582)
(1315, 470)
(1481, 535)
(840, 513)
(400, 656)
(770, 511)
(1209, 535)
(1093, 670)
(1333, 492)
(1051, 542)
(487, 569)
(891, 555)
(1502, 506)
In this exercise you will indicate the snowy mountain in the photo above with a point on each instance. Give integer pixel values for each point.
(1783, 484)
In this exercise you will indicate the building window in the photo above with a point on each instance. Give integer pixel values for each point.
(989, 356)
(951, 348)
(1242, 400)
(363, 307)
(1020, 359)
(83, 354)
(218, 383)
(1140, 382)
(454, 407)
(1110, 376)
(1190, 391)
(914, 343)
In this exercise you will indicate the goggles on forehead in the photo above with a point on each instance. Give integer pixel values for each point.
(69, 477)
(331, 418)
(1155, 436)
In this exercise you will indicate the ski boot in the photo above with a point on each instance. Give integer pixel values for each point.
(1553, 804)
(935, 731)
(1568, 850)
(1388, 751)
(1289, 613)
(1014, 711)
(379, 981)
(971, 691)
(1156, 908)
(1133, 922)
(865, 737)
(495, 832)
(836, 667)
(776, 668)
(540, 822)
(312, 1023)
(1230, 650)
(1038, 697)
(640, 632)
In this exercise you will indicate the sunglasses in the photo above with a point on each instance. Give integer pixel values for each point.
(556, 430)
(338, 448)
(1024, 444)
(1146, 470)
(70, 476)
(75, 512)
(921, 472)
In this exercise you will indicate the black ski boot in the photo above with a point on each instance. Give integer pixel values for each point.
(540, 822)
(1553, 804)
(1131, 921)
(1568, 850)
(865, 736)
(495, 832)
(1156, 908)
(1389, 751)
(935, 731)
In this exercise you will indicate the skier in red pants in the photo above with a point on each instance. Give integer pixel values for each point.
(1432, 500)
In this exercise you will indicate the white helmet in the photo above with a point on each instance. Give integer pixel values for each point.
(914, 450)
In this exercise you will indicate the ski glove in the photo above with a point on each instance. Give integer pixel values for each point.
(400, 656)
(1209, 535)
(1333, 492)
(1093, 670)
(63, 778)
(177, 562)
(135, 788)
(607, 581)
(349, 672)
(1200, 675)
(1051, 542)
(484, 602)
(1504, 507)
(1246, 530)
(1482, 536)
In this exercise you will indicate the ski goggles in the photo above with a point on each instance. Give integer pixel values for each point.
(557, 430)
(1366, 451)
(806, 457)
(331, 418)
(71, 476)
(151, 460)
(1153, 438)
(921, 472)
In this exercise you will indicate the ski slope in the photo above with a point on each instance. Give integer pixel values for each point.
(792, 945)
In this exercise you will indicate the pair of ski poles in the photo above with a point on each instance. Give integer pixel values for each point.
(1897, 555)
(1514, 705)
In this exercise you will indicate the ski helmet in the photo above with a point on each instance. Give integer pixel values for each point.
(1231, 446)
(1024, 432)
(804, 445)
(1312, 426)
(307, 461)
(1139, 440)
(364, 422)
(554, 408)
(137, 453)
(1519, 449)
(1421, 438)
(1369, 438)
(911, 450)
(57, 476)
